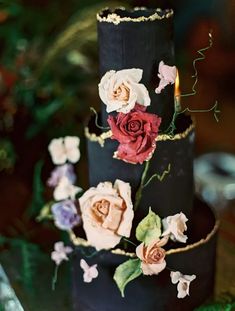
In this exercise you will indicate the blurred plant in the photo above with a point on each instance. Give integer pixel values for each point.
(226, 302)
(52, 85)
(29, 255)
(7, 155)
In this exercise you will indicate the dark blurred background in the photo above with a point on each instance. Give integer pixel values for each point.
(48, 81)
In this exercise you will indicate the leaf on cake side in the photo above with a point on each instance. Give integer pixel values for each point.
(149, 229)
(126, 272)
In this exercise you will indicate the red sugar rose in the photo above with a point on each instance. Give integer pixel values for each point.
(136, 132)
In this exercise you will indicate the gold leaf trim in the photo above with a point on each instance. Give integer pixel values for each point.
(116, 19)
(161, 137)
(97, 138)
(196, 244)
(82, 242)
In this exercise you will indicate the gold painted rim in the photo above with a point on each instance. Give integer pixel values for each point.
(161, 137)
(116, 19)
(82, 242)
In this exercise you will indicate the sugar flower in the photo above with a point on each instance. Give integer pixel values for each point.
(65, 215)
(120, 90)
(167, 75)
(152, 257)
(60, 252)
(183, 283)
(107, 213)
(174, 226)
(64, 149)
(90, 272)
(136, 132)
(65, 190)
(59, 172)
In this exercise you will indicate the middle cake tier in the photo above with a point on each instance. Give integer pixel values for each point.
(173, 155)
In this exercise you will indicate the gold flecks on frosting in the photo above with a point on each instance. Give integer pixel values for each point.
(116, 19)
(161, 137)
(82, 242)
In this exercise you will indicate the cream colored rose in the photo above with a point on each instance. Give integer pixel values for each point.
(121, 90)
(152, 257)
(107, 213)
(174, 226)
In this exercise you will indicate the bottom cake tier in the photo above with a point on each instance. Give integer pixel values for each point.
(151, 293)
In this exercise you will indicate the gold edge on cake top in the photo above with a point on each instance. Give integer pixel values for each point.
(82, 242)
(116, 19)
(161, 137)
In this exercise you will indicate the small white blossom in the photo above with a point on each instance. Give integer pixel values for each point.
(90, 272)
(167, 75)
(65, 190)
(60, 252)
(64, 149)
(183, 283)
(174, 226)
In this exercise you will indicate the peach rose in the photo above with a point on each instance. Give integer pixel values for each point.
(107, 213)
(121, 90)
(152, 257)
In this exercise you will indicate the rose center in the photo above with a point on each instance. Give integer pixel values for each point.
(134, 126)
(121, 93)
(100, 209)
(155, 255)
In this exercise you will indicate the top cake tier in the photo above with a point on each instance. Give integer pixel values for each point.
(139, 38)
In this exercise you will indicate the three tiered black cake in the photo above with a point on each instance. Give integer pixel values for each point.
(140, 153)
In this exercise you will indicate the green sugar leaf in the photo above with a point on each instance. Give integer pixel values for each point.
(127, 272)
(149, 229)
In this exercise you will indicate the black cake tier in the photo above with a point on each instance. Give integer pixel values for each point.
(167, 197)
(155, 292)
(139, 39)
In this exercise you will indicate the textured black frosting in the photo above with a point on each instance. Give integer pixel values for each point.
(150, 293)
(141, 45)
(167, 197)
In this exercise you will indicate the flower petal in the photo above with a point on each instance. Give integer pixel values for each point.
(84, 265)
(142, 95)
(150, 269)
(134, 74)
(175, 276)
(72, 148)
(57, 151)
(124, 191)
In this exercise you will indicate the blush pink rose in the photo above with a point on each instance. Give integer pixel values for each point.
(152, 257)
(136, 132)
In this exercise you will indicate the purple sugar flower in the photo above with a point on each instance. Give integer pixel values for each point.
(65, 215)
(60, 171)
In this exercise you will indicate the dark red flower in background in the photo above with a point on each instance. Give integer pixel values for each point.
(136, 132)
